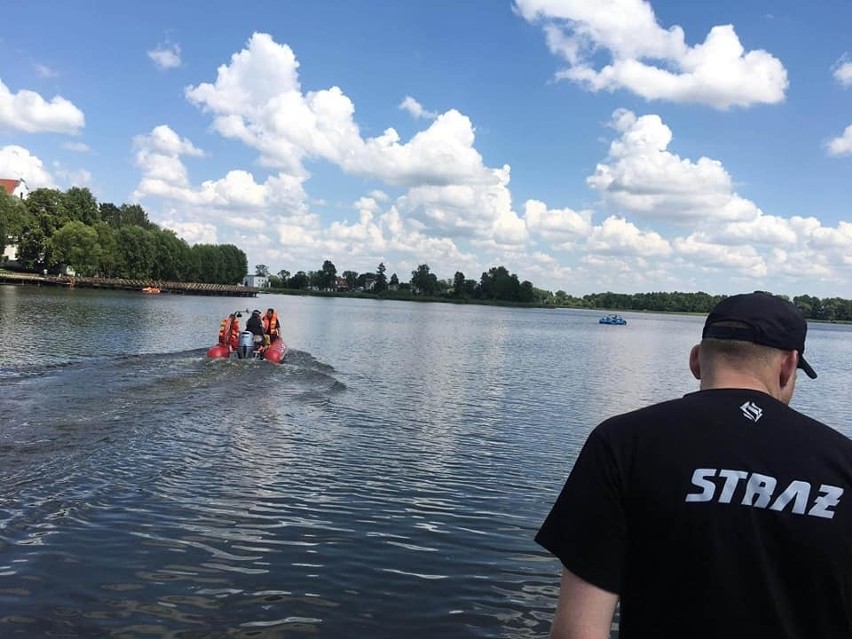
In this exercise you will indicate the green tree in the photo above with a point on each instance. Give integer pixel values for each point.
(136, 252)
(14, 217)
(81, 205)
(328, 276)
(172, 256)
(381, 279)
(134, 215)
(299, 281)
(394, 281)
(234, 264)
(48, 206)
(108, 250)
(351, 278)
(261, 270)
(110, 214)
(76, 245)
(423, 281)
(458, 284)
(33, 248)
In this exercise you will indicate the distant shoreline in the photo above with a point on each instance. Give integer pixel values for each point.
(200, 288)
(146, 286)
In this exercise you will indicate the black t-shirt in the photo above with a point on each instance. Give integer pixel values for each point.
(255, 325)
(721, 514)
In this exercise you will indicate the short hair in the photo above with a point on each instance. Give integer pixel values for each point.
(737, 353)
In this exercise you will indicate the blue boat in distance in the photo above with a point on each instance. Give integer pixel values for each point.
(612, 318)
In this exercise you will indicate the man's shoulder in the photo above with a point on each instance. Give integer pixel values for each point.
(721, 405)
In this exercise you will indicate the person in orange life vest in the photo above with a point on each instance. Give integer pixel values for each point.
(271, 325)
(229, 331)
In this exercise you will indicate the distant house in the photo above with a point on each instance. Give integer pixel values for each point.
(15, 188)
(10, 253)
(256, 281)
(341, 284)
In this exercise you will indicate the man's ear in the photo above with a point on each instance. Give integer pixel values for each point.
(789, 362)
(694, 364)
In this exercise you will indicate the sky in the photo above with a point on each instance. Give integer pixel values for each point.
(616, 145)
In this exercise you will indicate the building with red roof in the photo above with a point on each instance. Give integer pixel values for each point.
(15, 188)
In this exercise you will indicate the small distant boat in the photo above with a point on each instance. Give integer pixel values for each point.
(150, 289)
(614, 319)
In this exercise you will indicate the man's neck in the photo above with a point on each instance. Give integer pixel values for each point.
(745, 381)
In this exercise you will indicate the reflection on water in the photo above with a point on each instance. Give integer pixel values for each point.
(387, 479)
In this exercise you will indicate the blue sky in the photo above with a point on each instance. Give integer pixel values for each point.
(618, 145)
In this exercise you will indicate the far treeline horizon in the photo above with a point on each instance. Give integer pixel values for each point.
(54, 229)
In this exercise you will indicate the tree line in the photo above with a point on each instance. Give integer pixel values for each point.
(499, 285)
(829, 309)
(496, 284)
(54, 229)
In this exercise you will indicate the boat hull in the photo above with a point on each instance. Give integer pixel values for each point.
(274, 353)
(220, 350)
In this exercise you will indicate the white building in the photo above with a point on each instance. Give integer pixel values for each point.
(15, 188)
(256, 281)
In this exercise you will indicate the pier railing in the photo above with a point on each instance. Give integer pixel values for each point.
(146, 285)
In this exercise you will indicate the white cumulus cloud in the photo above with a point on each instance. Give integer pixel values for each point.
(76, 147)
(841, 145)
(415, 109)
(165, 55)
(842, 72)
(653, 62)
(17, 162)
(29, 112)
(642, 176)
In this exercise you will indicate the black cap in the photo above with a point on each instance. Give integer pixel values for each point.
(770, 321)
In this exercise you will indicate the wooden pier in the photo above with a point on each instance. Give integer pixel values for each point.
(164, 287)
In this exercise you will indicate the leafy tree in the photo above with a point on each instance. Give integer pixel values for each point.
(13, 218)
(136, 252)
(351, 278)
(458, 284)
(76, 245)
(234, 264)
(424, 281)
(381, 280)
(394, 281)
(48, 207)
(110, 214)
(283, 275)
(108, 253)
(81, 205)
(261, 270)
(526, 292)
(34, 247)
(47, 213)
(327, 276)
(299, 281)
(172, 256)
(134, 215)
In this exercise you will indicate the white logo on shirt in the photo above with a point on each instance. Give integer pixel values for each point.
(762, 491)
(752, 411)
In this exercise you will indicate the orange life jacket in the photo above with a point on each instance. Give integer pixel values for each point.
(229, 332)
(272, 328)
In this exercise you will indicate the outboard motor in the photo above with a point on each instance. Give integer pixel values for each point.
(245, 346)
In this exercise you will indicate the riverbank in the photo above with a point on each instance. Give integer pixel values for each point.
(146, 286)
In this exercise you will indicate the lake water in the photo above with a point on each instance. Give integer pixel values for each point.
(387, 480)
